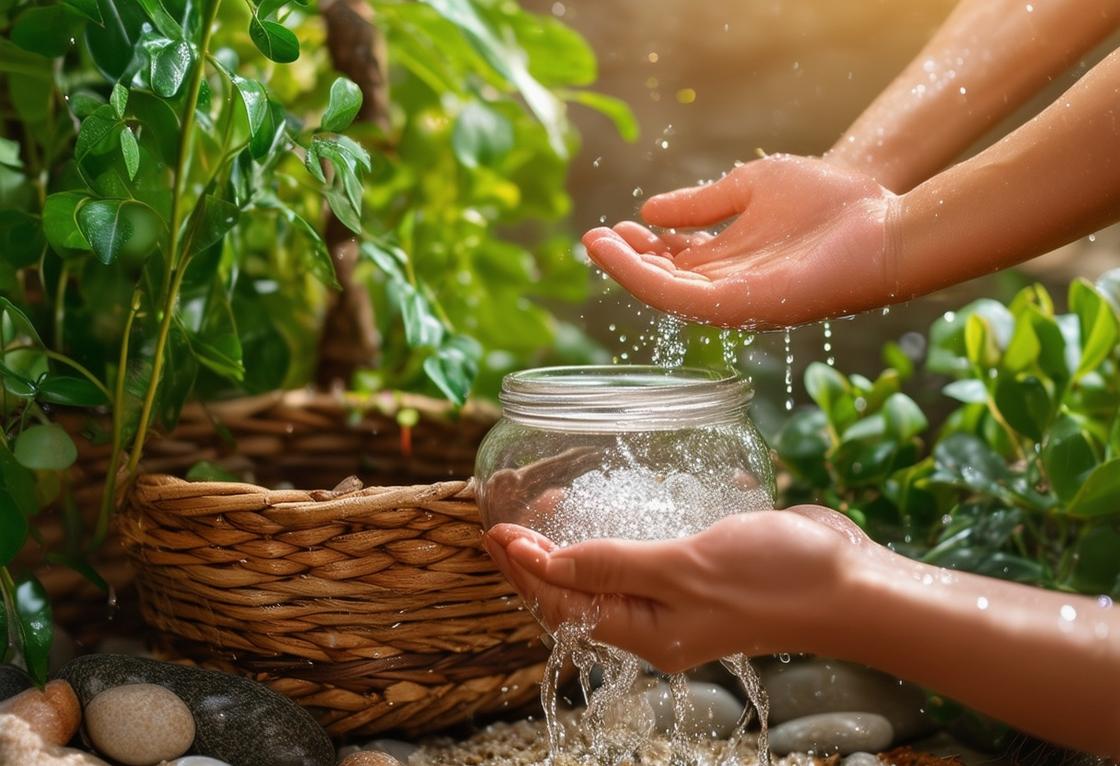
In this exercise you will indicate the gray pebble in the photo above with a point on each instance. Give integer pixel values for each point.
(237, 720)
(861, 759)
(829, 733)
(13, 680)
(813, 686)
(712, 711)
(402, 751)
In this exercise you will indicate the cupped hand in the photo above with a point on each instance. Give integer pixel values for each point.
(810, 241)
(761, 582)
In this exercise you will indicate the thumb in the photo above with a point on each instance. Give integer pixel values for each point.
(699, 205)
(604, 566)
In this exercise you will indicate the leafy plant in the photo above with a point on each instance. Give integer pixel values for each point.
(1021, 481)
(161, 199)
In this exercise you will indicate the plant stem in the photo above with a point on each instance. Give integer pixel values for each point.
(60, 305)
(173, 278)
(108, 492)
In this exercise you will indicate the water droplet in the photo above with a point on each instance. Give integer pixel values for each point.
(981, 603)
(1104, 602)
(597, 162)
(886, 310)
(1030, 8)
(663, 144)
(789, 371)
(963, 90)
(653, 57)
(1069, 614)
(784, 658)
(830, 360)
(558, 9)
(637, 191)
(1092, 237)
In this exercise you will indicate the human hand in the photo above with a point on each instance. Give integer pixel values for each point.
(811, 241)
(760, 582)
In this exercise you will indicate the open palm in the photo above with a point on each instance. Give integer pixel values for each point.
(809, 242)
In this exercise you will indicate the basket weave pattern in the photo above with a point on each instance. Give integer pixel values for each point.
(377, 608)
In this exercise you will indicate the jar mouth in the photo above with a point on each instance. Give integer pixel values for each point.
(624, 398)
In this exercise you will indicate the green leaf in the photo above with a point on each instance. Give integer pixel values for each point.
(71, 391)
(19, 483)
(45, 30)
(214, 336)
(130, 150)
(115, 226)
(454, 367)
(481, 136)
(1099, 496)
(204, 470)
(13, 531)
(111, 45)
(1068, 457)
(802, 445)
(344, 105)
(164, 22)
(963, 460)
(947, 352)
(895, 358)
(9, 154)
(614, 109)
(1108, 285)
(904, 419)
(969, 391)
(33, 623)
(119, 99)
(1024, 348)
(1024, 404)
(60, 222)
(14, 324)
(1097, 567)
(386, 256)
(318, 258)
(1098, 324)
(21, 238)
(980, 343)
(825, 386)
(274, 40)
(509, 61)
(97, 133)
(45, 447)
(421, 327)
(170, 66)
(1052, 345)
(211, 220)
(87, 8)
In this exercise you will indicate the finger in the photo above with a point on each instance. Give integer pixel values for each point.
(627, 622)
(678, 241)
(505, 534)
(640, 238)
(626, 567)
(699, 205)
(678, 292)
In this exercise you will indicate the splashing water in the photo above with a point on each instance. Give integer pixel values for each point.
(789, 371)
(669, 345)
(829, 359)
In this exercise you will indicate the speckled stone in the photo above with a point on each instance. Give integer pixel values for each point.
(236, 720)
(829, 733)
(13, 680)
(369, 758)
(139, 724)
(812, 686)
(20, 746)
(52, 712)
(712, 710)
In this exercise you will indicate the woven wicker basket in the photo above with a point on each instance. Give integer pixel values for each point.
(375, 608)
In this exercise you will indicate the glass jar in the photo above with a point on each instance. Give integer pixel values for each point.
(633, 452)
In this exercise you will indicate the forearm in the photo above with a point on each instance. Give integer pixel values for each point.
(986, 59)
(1002, 648)
(1053, 180)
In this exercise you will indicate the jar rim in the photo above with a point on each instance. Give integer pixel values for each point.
(606, 398)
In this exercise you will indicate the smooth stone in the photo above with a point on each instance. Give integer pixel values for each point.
(13, 680)
(712, 710)
(236, 720)
(828, 733)
(402, 751)
(861, 759)
(139, 724)
(52, 712)
(369, 758)
(813, 686)
(20, 746)
(196, 760)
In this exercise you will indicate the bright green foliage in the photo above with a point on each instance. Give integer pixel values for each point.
(1022, 480)
(163, 195)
